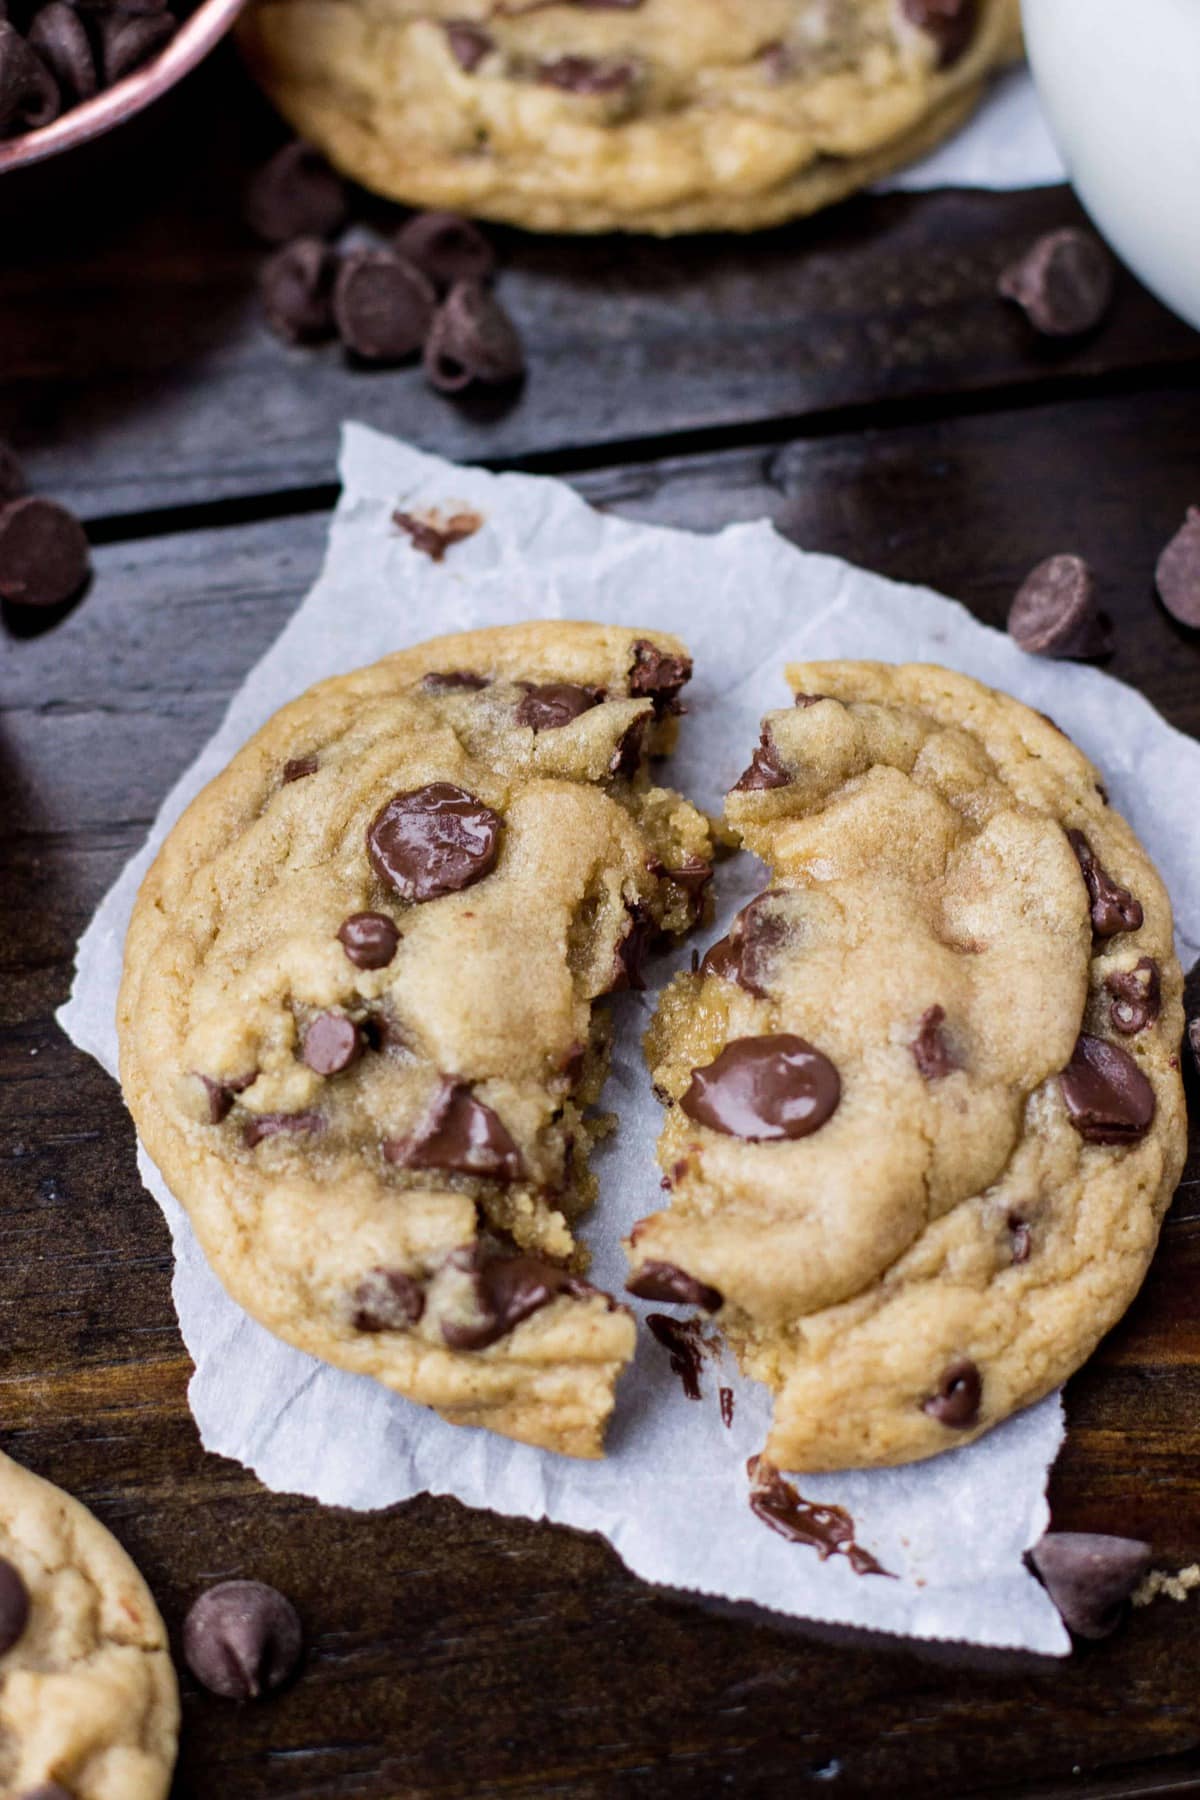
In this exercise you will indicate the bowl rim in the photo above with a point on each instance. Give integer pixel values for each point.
(91, 118)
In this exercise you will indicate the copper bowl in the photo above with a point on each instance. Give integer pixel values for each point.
(191, 44)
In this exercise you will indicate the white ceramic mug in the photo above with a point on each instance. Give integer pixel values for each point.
(1120, 83)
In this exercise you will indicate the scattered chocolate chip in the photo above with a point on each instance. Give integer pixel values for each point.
(242, 1639)
(1054, 611)
(468, 43)
(1089, 1576)
(681, 1340)
(956, 1402)
(446, 247)
(630, 954)
(387, 1300)
(471, 339)
(44, 556)
(331, 1043)
(1177, 574)
(28, 91)
(59, 36)
(765, 1089)
(627, 753)
(1063, 283)
(950, 23)
(765, 769)
(586, 74)
(12, 475)
(461, 1134)
(829, 1530)
(369, 939)
(269, 1125)
(554, 704)
(1021, 1234)
(664, 1282)
(726, 1400)
(449, 679)
(658, 675)
(14, 1605)
(434, 535)
(1113, 907)
(295, 194)
(1108, 1099)
(297, 285)
(297, 767)
(435, 840)
(127, 40)
(508, 1289)
(930, 1051)
(221, 1095)
(1136, 996)
(382, 305)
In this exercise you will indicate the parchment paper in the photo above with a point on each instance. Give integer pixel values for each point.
(1006, 144)
(671, 1496)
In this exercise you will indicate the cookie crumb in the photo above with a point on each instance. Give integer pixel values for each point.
(1161, 1581)
(434, 532)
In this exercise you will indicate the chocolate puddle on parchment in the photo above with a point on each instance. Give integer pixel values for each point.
(829, 1530)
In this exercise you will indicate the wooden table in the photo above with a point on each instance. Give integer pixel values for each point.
(854, 379)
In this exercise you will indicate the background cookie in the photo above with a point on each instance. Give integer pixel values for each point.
(644, 115)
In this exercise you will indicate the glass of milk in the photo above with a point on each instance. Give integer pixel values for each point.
(1121, 87)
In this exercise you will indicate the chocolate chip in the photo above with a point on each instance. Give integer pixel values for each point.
(663, 1282)
(331, 1043)
(1113, 907)
(725, 1396)
(447, 247)
(685, 1344)
(471, 339)
(658, 675)
(1136, 996)
(764, 1089)
(693, 876)
(221, 1094)
(387, 1300)
(461, 1134)
(930, 1051)
(1108, 1099)
(60, 38)
(1064, 282)
(28, 91)
(242, 1639)
(630, 954)
(956, 1402)
(129, 40)
(12, 475)
(369, 939)
(294, 195)
(950, 23)
(554, 704)
(508, 1289)
(269, 1125)
(44, 556)
(434, 536)
(297, 767)
(586, 74)
(382, 306)
(434, 840)
(1177, 575)
(756, 936)
(1089, 1576)
(468, 44)
(297, 290)
(626, 758)
(1054, 611)
(765, 769)
(449, 679)
(721, 960)
(14, 1605)
(1021, 1234)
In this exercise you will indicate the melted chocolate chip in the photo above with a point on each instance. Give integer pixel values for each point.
(369, 939)
(693, 876)
(269, 1125)
(685, 1346)
(434, 536)
(468, 43)
(1063, 283)
(765, 769)
(242, 1639)
(331, 1043)
(471, 339)
(294, 195)
(297, 290)
(630, 953)
(434, 840)
(382, 306)
(447, 681)
(829, 1530)
(1177, 574)
(586, 74)
(1136, 997)
(1021, 1234)
(446, 247)
(1089, 1577)
(508, 1289)
(757, 934)
(726, 1399)
(950, 23)
(662, 1281)
(1108, 1099)
(720, 960)
(657, 675)
(14, 1605)
(956, 1402)
(1113, 907)
(461, 1134)
(44, 555)
(297, 767)
(764, 1089)
(221, 1093)
(1055, 613)
(553, 704)
(387, 1300)
(929, 1048)
(627, 754)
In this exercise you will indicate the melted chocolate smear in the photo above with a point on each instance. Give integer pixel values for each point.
(930, 1053)
(757, 935)
(434, 840)
(554, 704)
(627, 752)
(829, 1530)
(663, 1281)
(1136, 997)
(1113, 907)
(693, 876)
(448, 680)
(657, 675)
(387, 1300)
(720, 960)
(630, 954)
(1089, 1576)
(765, 769)
(1108, 1099)
(297, 767)
(726, 1398)
(956, 1402)
(508, 1289)
(435, 535)
(461, 1134)
(682, 1340)
(765, 1089)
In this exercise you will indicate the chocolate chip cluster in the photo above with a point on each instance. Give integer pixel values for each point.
(53, 57)
(428, 293)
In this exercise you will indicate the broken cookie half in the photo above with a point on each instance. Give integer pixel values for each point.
(924, 1104)
(359, 1030)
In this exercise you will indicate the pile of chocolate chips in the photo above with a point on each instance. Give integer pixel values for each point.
(429, 292)
(44, 556)
(54, 56)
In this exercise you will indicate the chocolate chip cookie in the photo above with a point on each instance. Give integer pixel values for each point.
(89, 1709)
(924, 1104)
(636, 115)
(358, 1032)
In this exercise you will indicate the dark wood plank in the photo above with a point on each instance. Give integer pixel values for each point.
(453, 1654)
(139, 374)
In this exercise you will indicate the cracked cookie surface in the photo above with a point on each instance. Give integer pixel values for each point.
(88, 1698)
(358, 1032)
(925, 1111)
(641, 115)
